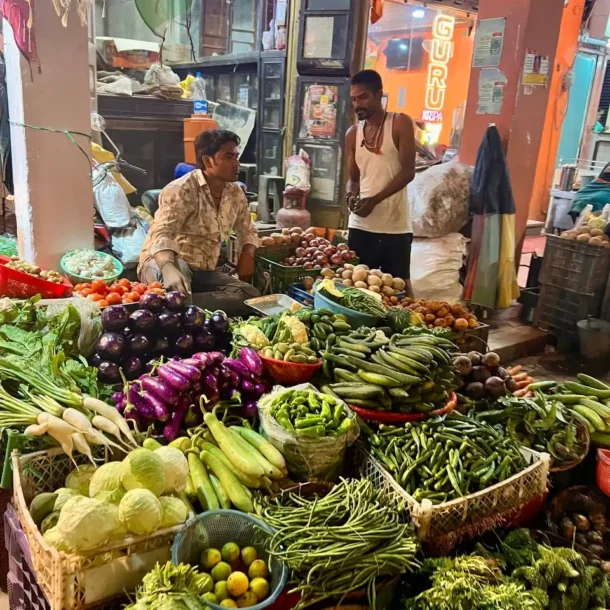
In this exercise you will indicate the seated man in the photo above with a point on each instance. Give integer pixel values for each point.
(196, 214)
(596, 193)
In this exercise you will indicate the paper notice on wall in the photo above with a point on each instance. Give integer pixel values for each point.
(488, 43)
(535, 69)
(491, 91)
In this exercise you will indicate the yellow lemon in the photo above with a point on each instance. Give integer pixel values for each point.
(237, 584)
(229, 552)
(228, 603)
(221, 571)
(260, 588)
(246, 600)
(248, 555)
(210, 597)
(257, 569)
(209, 558)
(220, 590)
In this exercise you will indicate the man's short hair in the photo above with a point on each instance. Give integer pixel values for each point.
(208, 143)
(369, 79)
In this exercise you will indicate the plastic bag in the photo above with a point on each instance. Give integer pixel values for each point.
(298, 170)
(435, 267)
(584, 216)
(111, 202)
(90, 321)
(159, 75)
(127, 242)
(306, 458)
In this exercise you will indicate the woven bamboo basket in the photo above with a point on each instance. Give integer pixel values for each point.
(73, 581)
(442, 526)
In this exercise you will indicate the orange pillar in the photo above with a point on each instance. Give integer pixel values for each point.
(531, 117)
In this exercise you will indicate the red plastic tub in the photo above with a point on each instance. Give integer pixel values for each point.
(603, 470)
(387, 417)
(18, 285)
(290, 373)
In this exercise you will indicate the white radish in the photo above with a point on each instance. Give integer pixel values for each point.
(60, 431)
(105, 410)
(80, 444)
(36, 429)
(97, 438)
(105, 425)
(77, 419)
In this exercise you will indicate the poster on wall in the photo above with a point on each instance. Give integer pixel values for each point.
(488, 43)
(491, 91)
(535, 69)
(319, 112)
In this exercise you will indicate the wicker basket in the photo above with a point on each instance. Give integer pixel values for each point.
(445, 525)
(75, 581)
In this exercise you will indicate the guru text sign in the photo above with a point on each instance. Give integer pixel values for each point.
(440, 54)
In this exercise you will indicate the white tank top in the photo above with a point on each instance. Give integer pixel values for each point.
(376, 172)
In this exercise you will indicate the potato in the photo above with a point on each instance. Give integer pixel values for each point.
(584, 237)
(311, 231)
(394, 300)
(347, 274)
(327, 273)
(296, 230)
(359, 275)
(349, 266)
(569, 234)
(360, 284)
(596, 232)
(460, 324)
(583, 229)
(443, 311)
(387, 290)
(285, 231)
(377, 272)
(429, 317)
(308, 283)
(365, 267)
(440, 322)
(267, 241)
(295, 238)
(596, 241)
(387, 279)
(348, 283)
(450, 320)
(373, 280)
(278, 238)
(473, 324)
(398, 284)
(375, 289)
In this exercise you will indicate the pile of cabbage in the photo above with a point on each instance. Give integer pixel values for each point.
(135, 497)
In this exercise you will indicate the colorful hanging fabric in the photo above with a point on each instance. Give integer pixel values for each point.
(376, 10)
(20, 15)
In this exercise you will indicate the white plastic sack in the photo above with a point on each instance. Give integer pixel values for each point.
(435, 267)
(127, 242)
(438, 199)
(110, 200)
(161, 75)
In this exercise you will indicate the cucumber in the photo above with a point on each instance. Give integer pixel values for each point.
(202, 484)
(263, 445)
(345, 375)
(602, 410)
(583, 420)
(592, 382)
(244, 479)
(269, 469)
(380, 380)
(221, 494)
(543, 386)
(235, 490)
(368, 367)
(568, 399)
(579, 388)
(594, 419)
(357, 390)
(366, 404)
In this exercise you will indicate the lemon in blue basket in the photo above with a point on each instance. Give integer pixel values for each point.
(221, 571)
(210, 597)
(257, 569)
(248, 555)
(220, 590)
(246, 600)
(228, 603)
(209, 558)
(237, 584)
(260, 588)
(229, 552)
(205, 583)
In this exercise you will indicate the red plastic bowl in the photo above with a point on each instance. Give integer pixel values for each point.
(19, 285)
(387, 417)
(289, 372)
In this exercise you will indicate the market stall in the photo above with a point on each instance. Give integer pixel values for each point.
(355, 448)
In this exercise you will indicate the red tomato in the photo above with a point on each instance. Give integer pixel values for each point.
(113, 298)
(80, 287)
(155, 285)
(134, 296)
(127, 299)
(139, 288)
(102, 303)
(86, 292)
(99, 286)
(96, 296)
(158, 291)
(124, 282)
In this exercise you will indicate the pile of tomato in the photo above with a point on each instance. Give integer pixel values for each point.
(123, 291)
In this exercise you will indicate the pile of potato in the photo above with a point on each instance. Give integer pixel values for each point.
(361, 276)
(440, 314)
(286, 237)
(592, 232)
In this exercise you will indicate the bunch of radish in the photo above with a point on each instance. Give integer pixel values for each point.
(176, 392)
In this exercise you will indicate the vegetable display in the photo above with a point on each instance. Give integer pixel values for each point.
(439, 314)
(405, 373)
(122, 291)
(23, 266)
(356, 299)
(446, 458)
(163, 326)
(339, 543)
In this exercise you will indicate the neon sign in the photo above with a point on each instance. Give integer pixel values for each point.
(440, 54)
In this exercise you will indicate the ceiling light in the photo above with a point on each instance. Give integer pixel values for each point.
(419, 13)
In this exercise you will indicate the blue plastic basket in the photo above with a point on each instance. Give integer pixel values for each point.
(213, 529)
(355, 318)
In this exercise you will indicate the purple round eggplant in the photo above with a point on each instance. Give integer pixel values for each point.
(111, 346)
(175, 301)
(204, 341)
(162, 347)
(168, 323)
(114, 318)
(219, 323)
(132, 367)
(140, 344)
(96, 360)
(184, 345)
(109, 372)
(193, 319)
(251, 409)
(152, 302)
(142, 321)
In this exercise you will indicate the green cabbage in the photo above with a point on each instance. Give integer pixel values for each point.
(86, 523)
(143, 469)
(55, 538)
(63, 495)
(174, 511)
(111, 497)
(106, 478)
(79, 479)
(176, 468)
(140, 511)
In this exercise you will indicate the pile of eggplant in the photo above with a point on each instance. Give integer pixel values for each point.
(176, 394)
(162, 326)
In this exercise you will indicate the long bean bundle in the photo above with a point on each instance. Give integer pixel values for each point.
(339, 543)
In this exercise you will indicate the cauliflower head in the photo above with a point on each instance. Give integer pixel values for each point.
(254, 335)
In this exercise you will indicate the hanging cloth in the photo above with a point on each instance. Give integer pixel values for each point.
(20, 15)
(376, 10)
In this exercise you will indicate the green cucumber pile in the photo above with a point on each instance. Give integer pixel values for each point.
(442, 459)
(405, 373)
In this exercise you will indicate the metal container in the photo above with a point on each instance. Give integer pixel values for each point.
(568, 176)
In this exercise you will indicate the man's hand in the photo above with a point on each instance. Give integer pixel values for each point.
(245, 266)
(173, 279)
(366, 206)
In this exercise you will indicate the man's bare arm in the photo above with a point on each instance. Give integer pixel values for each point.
(353, 181)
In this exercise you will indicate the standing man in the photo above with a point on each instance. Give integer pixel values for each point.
(381, 162)
(196, 214)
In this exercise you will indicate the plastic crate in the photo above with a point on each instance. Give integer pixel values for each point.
(72, 581)
(18, 285)
(473, 339)
(574, 265)
(298, 293)
(559, 309)
(442, 526)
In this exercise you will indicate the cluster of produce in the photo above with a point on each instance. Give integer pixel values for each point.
(162, 326)
(439, 314)
(593, 232)
(542, 424)
(90, 264)
(237, 577)
(18, 264)
(309, 414)
(341, 542)
(137, 496)
(480, 376)
(361, 276)
(356, 299)
(446, 458)
(121, 292)
(404, 373)
(176, 393)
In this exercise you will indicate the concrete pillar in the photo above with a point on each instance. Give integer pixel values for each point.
(531, 117)
(53, 190)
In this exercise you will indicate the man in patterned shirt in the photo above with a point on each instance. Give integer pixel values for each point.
(196, 214)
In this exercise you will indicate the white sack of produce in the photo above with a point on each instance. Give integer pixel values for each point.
(110, 200)
(438, 199)
(127, 242)
(435, 267)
